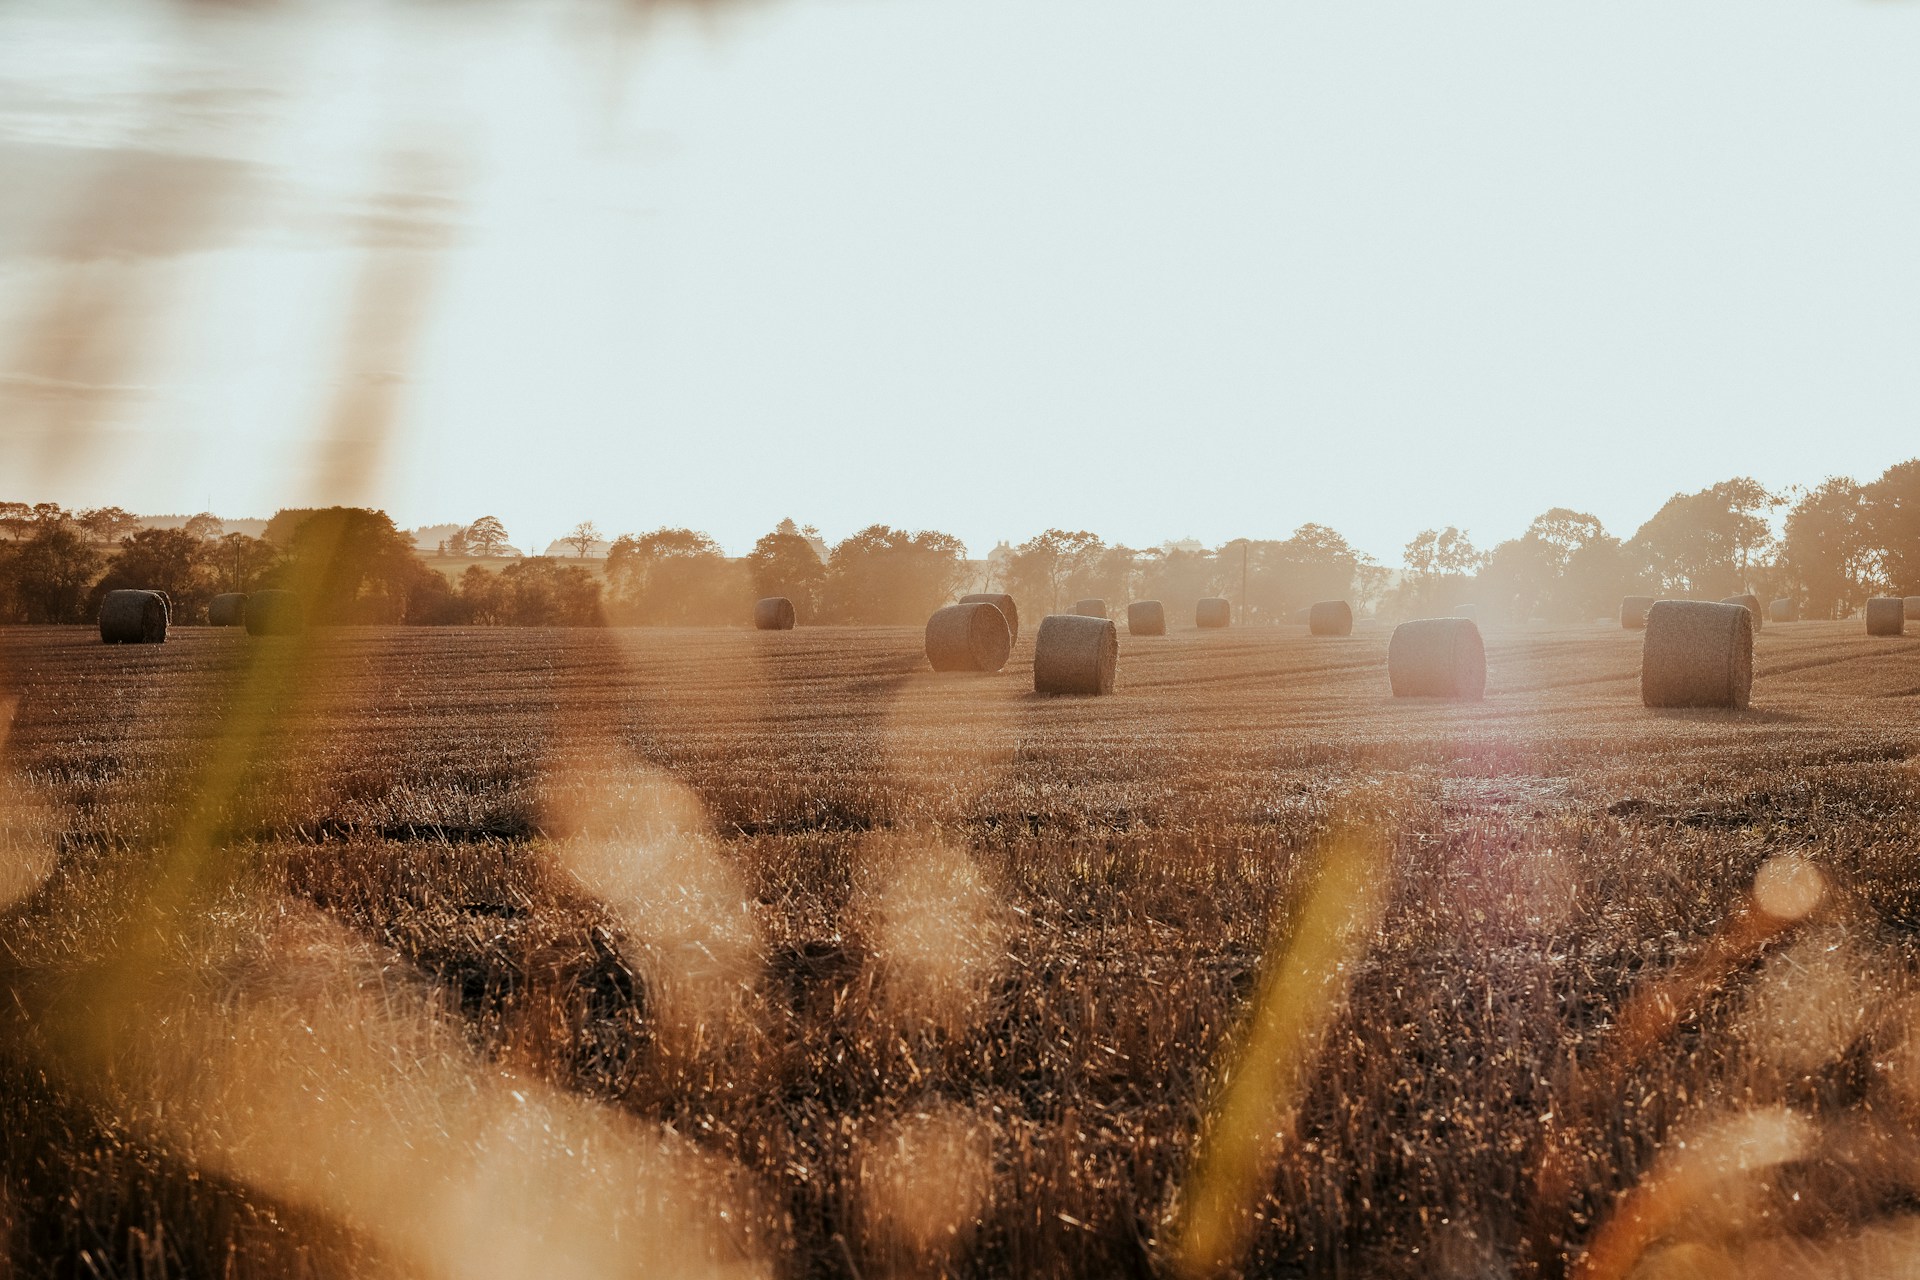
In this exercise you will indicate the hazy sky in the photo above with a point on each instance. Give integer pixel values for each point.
(1153, 269)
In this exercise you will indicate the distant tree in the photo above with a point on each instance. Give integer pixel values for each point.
(1177, 576)
(107, 525)
(44, 577)
(205, 526)
(536, 591)
(1893, 524)
(16, 518)
(584, 535)
(674, 577)
(245, 564)
(1828, 551)
(785, 564)
(1045, 571)
(1315, 563)
(50, 513)
(169, 560)
(1708, 542)
(351, 564)
(456, 543)
(486, 537)
(281, 525)
(1437, 564)
(1597, 575)
(887, 575)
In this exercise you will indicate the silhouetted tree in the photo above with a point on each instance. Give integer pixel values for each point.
(107, 525)
(1705, 543)
(785, 564)
(1178, 577)
(205, 526)
(887, 575)
(350, 564)
(1050, 570)
(674, 577)
(44, 577)
(582, 538)
(533, 592)
(486, 537)
(1893, 524)
(169, 560)
(1828, 554)
(244, 563)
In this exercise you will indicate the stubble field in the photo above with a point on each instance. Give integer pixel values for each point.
(458, 952)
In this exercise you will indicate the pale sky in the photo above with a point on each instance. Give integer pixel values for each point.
(1153, 269)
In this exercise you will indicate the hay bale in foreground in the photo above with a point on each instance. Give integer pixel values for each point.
(1886, 616)
(1784, 610)
(1697, 654)
(968, 637)
(1330, 618)
(1090, 608)
(1212, 612)
(275, 613)
(1912, 608)
(1146, 618)
(775, 613)
(1633, 612)
(133, 617)
(1437, 658)
(1004, 603)
(229, 609)
(1073, 653)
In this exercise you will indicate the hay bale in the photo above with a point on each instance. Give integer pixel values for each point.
(1633, 612)
(1752, 605)
(1074, 653)
(1089, 608)
(1697, 654)
(1437, 658)
(1212, 612)
(1004, 603)
(1912, 610)
(1146, 618)
(1784, 610)
(968, 637)
(275, 613)
(167, 602)
(1330, 618)
(228, 609)
(775, 613)
(1886, 616)
(133, 617)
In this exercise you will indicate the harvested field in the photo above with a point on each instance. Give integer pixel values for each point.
(863, 969)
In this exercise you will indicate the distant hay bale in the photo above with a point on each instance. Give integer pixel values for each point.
(1090, 608)
(1074, 653)
(1697, 654)
(275, 613)
(1886, 616)
(1212, 612)
(1004, 603)
(1784, 609)
(1912, 610)
(133, 617)
(1437, 658)
(1330, 618)
(1752, 605)
(968, 637)
(1633, 612)
(775, 613)
(1146, 618)
(227, 610)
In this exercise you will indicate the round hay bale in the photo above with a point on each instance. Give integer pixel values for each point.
(167, 601)
(1004, 603)
(1212, 612)
(1633, 612)
(968, 637)
(1886, 616)
(1330, 618)
(1752, 605)
(1146, 618)
(1784, 609)
(133, 617)
(775, 613)
(275, 613)
(1912, 609)
(229, 609)
(1090, 608)
(1073, 653)
(1437, 658)
(1697, 654)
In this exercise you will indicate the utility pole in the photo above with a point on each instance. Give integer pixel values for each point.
(1243, 582)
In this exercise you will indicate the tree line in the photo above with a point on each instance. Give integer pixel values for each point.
(1827, 548)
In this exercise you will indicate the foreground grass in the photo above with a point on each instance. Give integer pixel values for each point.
(776, 952)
